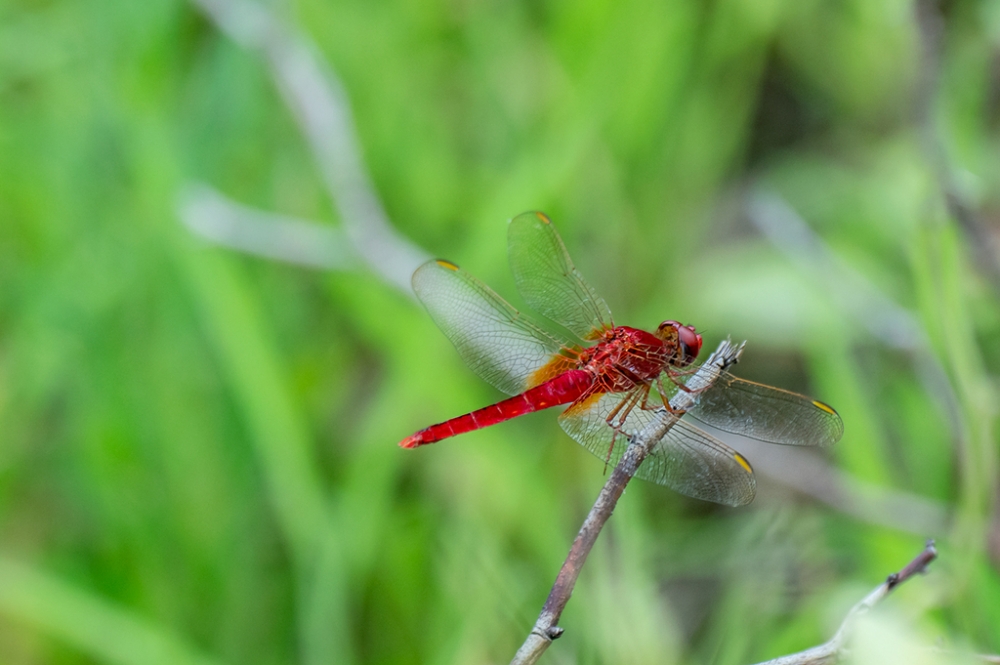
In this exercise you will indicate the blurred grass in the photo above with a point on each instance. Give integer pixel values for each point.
(198, 457)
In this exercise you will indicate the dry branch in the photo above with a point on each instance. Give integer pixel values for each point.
(831, 651)
(546, 627)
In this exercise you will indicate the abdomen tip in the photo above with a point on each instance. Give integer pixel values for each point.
(410, 441)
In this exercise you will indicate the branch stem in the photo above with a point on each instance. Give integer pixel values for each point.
(831, 651)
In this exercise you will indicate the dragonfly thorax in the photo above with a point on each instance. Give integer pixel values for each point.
(626, 357)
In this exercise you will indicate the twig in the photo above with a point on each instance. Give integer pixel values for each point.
(831, 651)
(215, 217)
(546, 627)
(317, 99)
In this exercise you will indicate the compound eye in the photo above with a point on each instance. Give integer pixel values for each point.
(690, 342)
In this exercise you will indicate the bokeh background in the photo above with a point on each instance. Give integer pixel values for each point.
(198, 427)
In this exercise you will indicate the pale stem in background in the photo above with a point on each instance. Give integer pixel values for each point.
(889, 323)
(317, 99)
(215, 217)
(867, 306)
(546, 627)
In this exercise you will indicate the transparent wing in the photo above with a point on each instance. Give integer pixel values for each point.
(767, 414)
(686, 459)
(548, 281)
(495, 340)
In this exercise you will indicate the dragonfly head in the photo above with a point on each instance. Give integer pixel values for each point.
(686, 339)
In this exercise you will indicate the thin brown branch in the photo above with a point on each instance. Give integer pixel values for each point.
(831, 651)
(319, 104)
(546, 627)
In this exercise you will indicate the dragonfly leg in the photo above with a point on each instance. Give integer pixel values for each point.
(645, 406)
(672, 374)
(665, 399)
(619, 414)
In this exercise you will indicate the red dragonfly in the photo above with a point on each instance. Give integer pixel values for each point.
(615, 379)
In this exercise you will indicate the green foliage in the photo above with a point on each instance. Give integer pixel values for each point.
(198, 459)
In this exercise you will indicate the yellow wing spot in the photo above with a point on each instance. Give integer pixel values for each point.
(542, 216)
(742, 461)
(824, 407)
(446, 264)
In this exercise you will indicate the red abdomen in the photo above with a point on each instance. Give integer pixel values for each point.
(563, 389)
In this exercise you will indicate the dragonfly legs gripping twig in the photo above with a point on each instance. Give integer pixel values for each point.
(682, 387)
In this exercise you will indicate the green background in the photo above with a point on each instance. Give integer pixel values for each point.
(198, 458)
